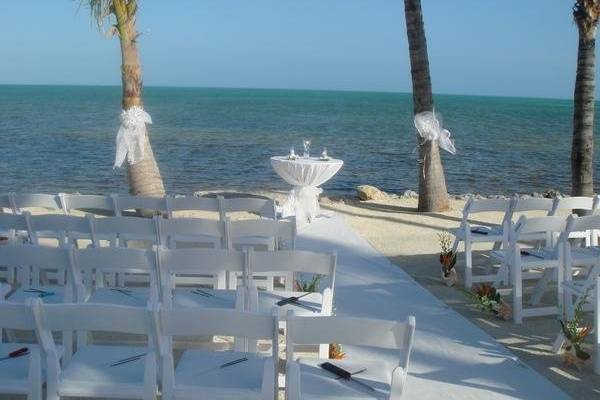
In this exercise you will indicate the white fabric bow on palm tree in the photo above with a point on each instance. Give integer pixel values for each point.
(131, 136)
(430, 128)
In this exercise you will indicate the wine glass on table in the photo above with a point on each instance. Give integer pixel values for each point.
(306, 144)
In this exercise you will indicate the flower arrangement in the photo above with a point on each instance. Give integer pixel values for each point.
(335, 352)
(488, 299)
(575, 333)
(309, 286)
(447, 259)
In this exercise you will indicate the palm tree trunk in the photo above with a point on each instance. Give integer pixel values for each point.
(144, 176)
(433, 195)
(582, 150)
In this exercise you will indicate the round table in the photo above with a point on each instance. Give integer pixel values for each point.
(305, 175)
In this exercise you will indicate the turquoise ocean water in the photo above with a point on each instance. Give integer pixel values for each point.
(62, 138)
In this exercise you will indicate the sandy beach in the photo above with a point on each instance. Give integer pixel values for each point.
(409, 239)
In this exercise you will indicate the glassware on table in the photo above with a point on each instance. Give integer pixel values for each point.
(324, 155)
(306, 144)
(292, 155)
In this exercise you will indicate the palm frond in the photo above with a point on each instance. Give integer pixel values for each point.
(102, 11)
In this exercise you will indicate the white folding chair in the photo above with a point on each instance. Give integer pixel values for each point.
(31, 262)
(263, 234)
(23, 201)
(263, 207)
(470, 233)
(386, 378)
(124, 372)
(200, 262)
(21, 375)
(587, 258)
(297, 262)
(90, 266)
(597, 326)
(131, 205)
(238, 374)
(541, 263)
(191, 203)
(88, 203)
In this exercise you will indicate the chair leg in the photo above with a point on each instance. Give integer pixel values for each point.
(468, 266)
(517, 294)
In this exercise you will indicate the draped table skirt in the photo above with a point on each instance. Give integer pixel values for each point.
(305, 175)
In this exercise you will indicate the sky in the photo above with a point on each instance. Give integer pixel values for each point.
(476, 47)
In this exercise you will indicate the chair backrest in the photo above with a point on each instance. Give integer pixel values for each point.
(190, 230)
(158, 205)
(93, 317)
(264, 207)
(197, 321)
(474, 206)
(549, 224)
(574, 203)
(191, 203)
(280, 231)
(30, 259)
(350, 331)
(119, 229)
(199, 261)
(96, 204)
(531, 204)
(30, 200)
(16, 316)
(60, 226)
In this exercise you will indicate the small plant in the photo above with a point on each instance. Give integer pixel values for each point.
(488, 299)
(311, 285)
(575, 333)
(447, 259)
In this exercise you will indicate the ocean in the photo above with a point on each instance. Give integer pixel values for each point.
(62, 139)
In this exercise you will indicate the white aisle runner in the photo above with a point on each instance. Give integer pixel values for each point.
(452, 358)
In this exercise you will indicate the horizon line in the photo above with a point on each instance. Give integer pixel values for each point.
(282, 88)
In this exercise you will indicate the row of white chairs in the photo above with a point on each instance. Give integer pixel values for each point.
(267, 234)
(149, 369)
(123, 204)
(86, 271)
(511, 209)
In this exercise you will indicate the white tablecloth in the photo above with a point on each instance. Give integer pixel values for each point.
(306, 175)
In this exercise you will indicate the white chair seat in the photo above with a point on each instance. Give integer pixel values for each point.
(184, 297)
(198, 375)
(14, 371)
(120, 296)
(480, 233)
(308, 305)
(20, 295)
(533, 258)
(316, 383)
(89, 373)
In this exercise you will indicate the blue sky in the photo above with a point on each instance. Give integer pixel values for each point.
(486, 47)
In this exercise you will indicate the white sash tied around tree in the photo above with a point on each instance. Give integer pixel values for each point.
(430, 128)
(131, 136)
(305, 175)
